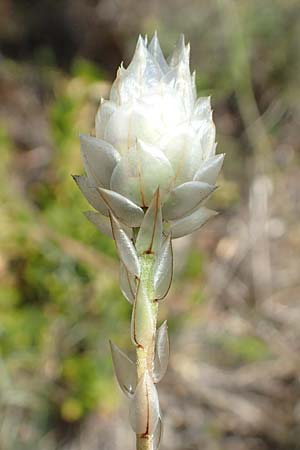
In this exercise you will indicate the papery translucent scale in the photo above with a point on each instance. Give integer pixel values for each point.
(183, 85)
(99, 159)
(157, 435)
(127, 283)
(183, 151)
(125, 370)
(185, 198)
(194, 87)
(206, 133)
(191, 223)
(106, 109)
(91, 194)
(162, 350)
(202, 109)
(163, 269)
(141, 172)
(209, 170)
(115, 92)
(118, 130)
(155, 50)
(145, 120)
(125, 247)
(122, 208)
(180, 53)
(142, 322)
(144, 407)
(150, 233)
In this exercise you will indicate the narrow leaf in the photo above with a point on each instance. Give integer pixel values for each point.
(163, 270)
(127, 283)
(162, 350)
(142, 322)
(125, 247)
(144, 407)
(191, 223)
(122, 208)
(125, 370)
(150, 233)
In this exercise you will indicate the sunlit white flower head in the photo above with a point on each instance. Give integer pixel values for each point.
(153, 133)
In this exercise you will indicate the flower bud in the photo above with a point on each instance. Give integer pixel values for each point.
(153, 133)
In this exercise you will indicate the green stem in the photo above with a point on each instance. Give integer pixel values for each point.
(145, 356)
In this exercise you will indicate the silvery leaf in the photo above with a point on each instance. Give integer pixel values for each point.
(162, 351)
(150, 233)
(209, 170)
(125, 247)
(157, 435)
(142, 322)
(191, 223)
(101, 222)
(127, 283)
(91, 194)
(122, 208)
(185, 198)
(144, 407)
(163, 269)
(99, 159)
(125, 370)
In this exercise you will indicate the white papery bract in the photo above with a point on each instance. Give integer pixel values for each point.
(152, 133)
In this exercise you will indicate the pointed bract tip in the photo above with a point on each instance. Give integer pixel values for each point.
(75, 178)
(181, 41)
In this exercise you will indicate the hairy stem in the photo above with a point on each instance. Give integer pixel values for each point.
(145, 355)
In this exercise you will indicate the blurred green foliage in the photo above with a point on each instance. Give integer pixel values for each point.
(59, 298)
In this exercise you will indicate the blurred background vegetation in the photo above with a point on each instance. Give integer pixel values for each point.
(234, 309)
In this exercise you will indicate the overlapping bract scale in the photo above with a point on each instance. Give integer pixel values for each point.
(99, 159)
(157, 434)
(163, 269)
(191, 223)
(209, 170)
(140, 172)
(150, 233)
(162, 350)
(125, 370)
(125, 247)
(122, 208)
(185, 198)
(144, 410)
(156, 52)
(128, 283)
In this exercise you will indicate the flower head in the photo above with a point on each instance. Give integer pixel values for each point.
(153, 133)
